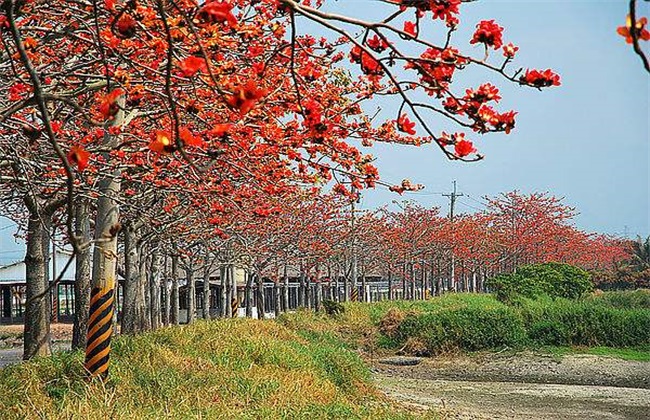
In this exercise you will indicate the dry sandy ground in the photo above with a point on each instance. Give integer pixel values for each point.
(11, 342)
(523, 386)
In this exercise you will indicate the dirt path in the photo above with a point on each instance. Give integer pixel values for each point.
(524, 386)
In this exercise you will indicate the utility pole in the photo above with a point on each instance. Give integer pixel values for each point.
(452, 202)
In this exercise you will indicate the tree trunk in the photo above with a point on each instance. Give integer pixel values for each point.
(260, 296)
(36, 338)
(301, 290)
(276, 298)
(206, 292)
(223, 295)
(173, 310)
(143, 294)
(104, 264)
(164, 293)
(82, 278)
(248, 295)
(285, 291)
(191, 294)
(154, 285)
(130, 312)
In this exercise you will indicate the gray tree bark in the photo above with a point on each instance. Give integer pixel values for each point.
(191, 294)
(154, 285)
(36, 338)
(223, 296)
(173, 310)
(82, 277)
(248, 294)
(131, 312)
(260, 296)
(206, 291)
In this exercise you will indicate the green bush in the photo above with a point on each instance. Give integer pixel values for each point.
(548, 279)
(468, 328)
(627, 299)
(585, 323)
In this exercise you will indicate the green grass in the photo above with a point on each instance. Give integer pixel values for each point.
(221, 369)
(639, 354)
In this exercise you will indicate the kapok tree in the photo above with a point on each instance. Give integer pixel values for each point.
(185, 88)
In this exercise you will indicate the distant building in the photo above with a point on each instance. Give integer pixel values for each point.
(13, 294)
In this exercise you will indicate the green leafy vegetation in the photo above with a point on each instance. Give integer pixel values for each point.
(468, 322)
(537, 280)
(637, 299)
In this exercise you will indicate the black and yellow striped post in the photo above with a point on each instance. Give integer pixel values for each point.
(55, 304)
(234, 306)
(355, 294)
(100, 329)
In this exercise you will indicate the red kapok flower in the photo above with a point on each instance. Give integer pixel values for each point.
(540, 78)
(245, 97)
(217, 11)
(190, 139)
(126, 26)
(510, 50)
(488, 33)
(639, 27)
(377, 44)
(463, 147)
(406, 125)
(219, 130)
(108, 106)
(410, 28)
(78, 156)
(191, 65)
(162, 143)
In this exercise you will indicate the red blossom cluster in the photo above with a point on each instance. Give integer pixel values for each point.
(369, 65)
(639, 28)
(436, 67)
(539, 78)
(488, 33)
(217, 11)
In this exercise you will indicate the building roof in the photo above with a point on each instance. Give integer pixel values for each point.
(15, 273)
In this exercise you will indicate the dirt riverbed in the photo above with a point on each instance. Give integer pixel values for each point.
(521, 386)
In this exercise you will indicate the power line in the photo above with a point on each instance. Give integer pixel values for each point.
(470, 206)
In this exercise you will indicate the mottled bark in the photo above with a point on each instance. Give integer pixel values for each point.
(206, 292)
(154, 286)
(173, 296)
(37, 340)
(82, 277)
(191, 294)
(131, 312)
(285, 291)
(260, 296)
(223, 295)
(248, 295)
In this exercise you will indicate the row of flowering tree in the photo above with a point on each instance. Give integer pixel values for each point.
(169, 139)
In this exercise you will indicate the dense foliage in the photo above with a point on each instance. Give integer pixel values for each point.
(551, 279)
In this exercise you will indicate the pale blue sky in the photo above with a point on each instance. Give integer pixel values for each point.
(586, 140)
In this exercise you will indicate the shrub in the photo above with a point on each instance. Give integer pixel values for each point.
(548, 279)
(587, 323)
(638, 299)
(468, 328)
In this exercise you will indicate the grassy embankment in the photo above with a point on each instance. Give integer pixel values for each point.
(223, 369)
(307, 365)
(614, 324)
